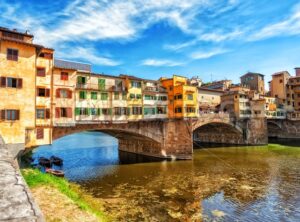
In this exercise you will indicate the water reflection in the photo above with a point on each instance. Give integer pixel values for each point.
(219, 184)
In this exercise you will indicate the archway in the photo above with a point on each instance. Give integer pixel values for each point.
(274, 129)
(218, 134)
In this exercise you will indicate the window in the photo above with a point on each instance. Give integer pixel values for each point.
(39, 133)
(64, 76)
(149, 97)
(63, 93)
(135, 84)
(11, 82)
(82, 95)
(280, 81)
(101, 84)
(149, 111)
(162, 98)
(104, 96)
(178, 110)
(81, 80)
(106, 111)
(171, 88)
(10, 114)
(178, 97)
(190, 96)
(41, 72)
(132, 96)
(124, 95)
(43, 92)
(161, 110)
(136, 110)
(12, 54)
(190, 109)
(63, 112)
(46, 55)
(42, 113)
(81, 111)
(93, 95)
(116, 95)
(120, 111)
(138, 96)
(93, 111)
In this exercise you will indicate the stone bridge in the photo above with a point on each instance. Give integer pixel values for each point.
(173, 138)
(284, 128)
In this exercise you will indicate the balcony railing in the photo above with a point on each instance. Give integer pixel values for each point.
(107, 88)
(293, 115)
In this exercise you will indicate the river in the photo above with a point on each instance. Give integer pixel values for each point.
(219, 184)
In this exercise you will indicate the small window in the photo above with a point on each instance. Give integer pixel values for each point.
(12, 82)
(280, 81)
(10, 114)
(132, 96)
(178, 110)
(41, 72)
(40, 113)
(135, 84)
(82, 95)
(104, 96)
(64, 76)
(124, 95)
(138, 96)
(43, 92)
(12, 54)
(136, 110)
(190, 96)
(94, 95)
(116, 95)
(39, 133)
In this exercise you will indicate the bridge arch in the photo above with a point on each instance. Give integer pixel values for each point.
(274, 129)
(218, 133)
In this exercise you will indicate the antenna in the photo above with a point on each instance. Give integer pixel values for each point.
(211, 77)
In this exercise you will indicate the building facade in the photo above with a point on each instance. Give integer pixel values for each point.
(255, 81)
(209, 100)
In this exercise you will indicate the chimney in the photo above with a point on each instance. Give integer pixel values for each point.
(297, 71)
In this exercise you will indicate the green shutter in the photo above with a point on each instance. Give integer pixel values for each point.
(93, 95)
(124, 95)
(98, 111)
(104, 96)
(79, 80)
(101, 84)
(110, 111)
(128, 111)
(77, 111)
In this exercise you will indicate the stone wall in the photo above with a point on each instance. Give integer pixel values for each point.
(285, 129)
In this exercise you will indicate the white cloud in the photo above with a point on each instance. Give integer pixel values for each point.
(207, 54)
(88, 54)
(288, 27)
(161, 62)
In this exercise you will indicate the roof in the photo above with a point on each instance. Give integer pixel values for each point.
(253, 73)
(210, 90)
(64, 64)
(15, 31)
(131, 77)
(280, 73)
(24, 43)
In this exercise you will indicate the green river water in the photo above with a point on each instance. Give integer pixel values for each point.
(219, 184)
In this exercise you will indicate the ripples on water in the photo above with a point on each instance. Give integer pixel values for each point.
(219, 184)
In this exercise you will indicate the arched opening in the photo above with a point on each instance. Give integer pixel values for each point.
(217, 134)
(274, 130)
(95, 153)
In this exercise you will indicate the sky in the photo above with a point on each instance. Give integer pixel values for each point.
(212, 39)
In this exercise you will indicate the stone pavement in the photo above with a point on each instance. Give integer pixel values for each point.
(16, 202)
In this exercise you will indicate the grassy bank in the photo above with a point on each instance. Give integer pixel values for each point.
(36, 179)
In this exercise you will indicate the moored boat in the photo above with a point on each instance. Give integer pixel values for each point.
(44, 162)
(58, 173)
(56, 160)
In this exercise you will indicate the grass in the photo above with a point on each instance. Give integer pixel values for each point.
(35, 178)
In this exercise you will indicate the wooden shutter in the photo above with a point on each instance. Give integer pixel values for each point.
(2, 114)
(2, 81)
(17, 114)
(57, 112)
(69, 112)
(69, 94)
(57, 93)
(47, 92)
(47, 113)
(40, 133)
(19, 83)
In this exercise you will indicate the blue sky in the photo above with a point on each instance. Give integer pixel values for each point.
(213, 39)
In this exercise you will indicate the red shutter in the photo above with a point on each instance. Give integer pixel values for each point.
(57, 93)
(2, 116)
(40, 133)
(47, 92)
(69, 112)
(17, 114)
(57, 112)
(2, 81)
(20, 83)
(69, 94)
(47, 113)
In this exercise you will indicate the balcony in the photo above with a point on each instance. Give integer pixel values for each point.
(293, 115)
(106, 88)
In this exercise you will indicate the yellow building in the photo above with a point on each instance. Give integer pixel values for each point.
(20, 59)
(134, 87)
(182, 97)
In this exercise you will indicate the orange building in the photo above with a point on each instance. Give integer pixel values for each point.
(182, 97)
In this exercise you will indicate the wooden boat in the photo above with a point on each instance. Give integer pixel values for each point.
(58, 173)
(44, 162)
(56, 160)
